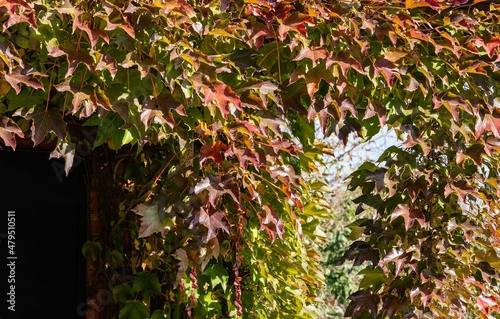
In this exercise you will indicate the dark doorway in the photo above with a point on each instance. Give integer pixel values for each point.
(50, 229)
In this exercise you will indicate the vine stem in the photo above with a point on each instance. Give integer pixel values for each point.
(277, 53)
(48, 90)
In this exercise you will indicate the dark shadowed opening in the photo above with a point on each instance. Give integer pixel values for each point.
(50, 229)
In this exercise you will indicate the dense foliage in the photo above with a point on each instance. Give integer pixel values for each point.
(217, 99)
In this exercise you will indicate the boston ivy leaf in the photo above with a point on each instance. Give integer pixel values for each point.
(159, 110)
(134, 309)
(106, 62)
(395, 55)
(67, 151)
(181, 255)
(153, 219)
(109, 125)
(44, 121)
(313, 78)
(218, 275)
(92, 249)
(313, 54)
(214, 152)
(9, 54)
(487, 122)
(159, 314)
(363, 300)
(391, 305)
(373, 278)
(122, 293)
(146, 283)
(294, 22)
(76, 57)
(20, 76)
(225, 98)
(272, 223)
(216, 188)
(409, 215)
(485, 303)
(8, 132)
(213, 221)
(359, 251)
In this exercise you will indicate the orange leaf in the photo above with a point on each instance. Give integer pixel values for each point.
(409, 4)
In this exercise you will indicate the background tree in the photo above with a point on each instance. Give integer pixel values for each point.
(215, 101)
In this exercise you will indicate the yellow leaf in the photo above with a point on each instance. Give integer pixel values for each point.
(4, 87)
(415, 4)
(393, 56)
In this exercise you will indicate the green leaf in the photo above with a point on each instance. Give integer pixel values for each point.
(218, 275)
(356, 232)
(374, 278)
(108, 126)
(122, 293)
(122, 137)
(114, 257)
(92, 249)
(158, 314)
(134, 309)
(93, 120)
(146, 283)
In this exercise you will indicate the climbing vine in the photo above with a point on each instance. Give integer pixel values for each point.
(216, 104)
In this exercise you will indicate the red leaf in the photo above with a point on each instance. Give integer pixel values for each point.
(12, 5)
(10, 53)
(394, 254)
(387, 68)
(43, 122)
(395, 55)
(272, 224)
(373, 108)
(363, 300)
(485, 303)
(107, 62)
(391, 305)
(212, 221)
(8, 132)
(159, 109)
(20, 76)
(246, 155)
(19, 11)
(419, 35)
(313, 55)
(181, 255)
(274, 125)
(409, 215)
(214, 152)
(88, 101)
(75, 57)
(296, 22)
(485, 123)
(225, 98)
(461, 188)
(83, 25)
(345, 61)
(216, 188)
(313, 78)
(360, 252)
